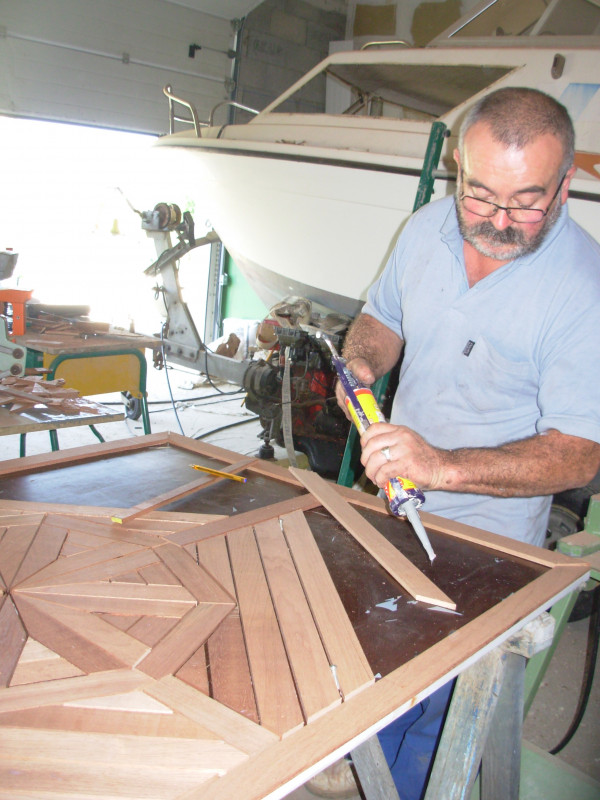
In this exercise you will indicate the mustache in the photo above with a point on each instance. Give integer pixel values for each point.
(486, 231)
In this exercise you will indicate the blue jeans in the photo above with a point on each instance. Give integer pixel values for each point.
(409, 743)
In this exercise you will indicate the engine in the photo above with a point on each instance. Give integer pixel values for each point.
(298, 368)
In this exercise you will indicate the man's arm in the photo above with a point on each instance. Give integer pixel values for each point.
(540, 465)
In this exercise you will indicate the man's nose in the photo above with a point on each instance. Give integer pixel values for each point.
(501, 220)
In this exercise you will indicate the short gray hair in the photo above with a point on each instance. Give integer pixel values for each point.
(517, 116)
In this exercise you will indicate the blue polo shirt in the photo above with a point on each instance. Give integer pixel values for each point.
(515, 355)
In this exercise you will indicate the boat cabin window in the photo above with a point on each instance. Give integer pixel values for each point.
(404, 91)
(534, 18)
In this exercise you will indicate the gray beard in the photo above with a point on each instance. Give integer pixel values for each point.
(484, 237)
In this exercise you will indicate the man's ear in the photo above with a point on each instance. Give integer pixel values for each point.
(564, 192)
(456, 155)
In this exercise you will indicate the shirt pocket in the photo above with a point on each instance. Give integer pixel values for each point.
(492, 383)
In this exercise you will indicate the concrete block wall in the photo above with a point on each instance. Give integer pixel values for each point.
(282, 40)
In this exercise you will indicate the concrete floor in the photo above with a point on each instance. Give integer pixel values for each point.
(205, 418)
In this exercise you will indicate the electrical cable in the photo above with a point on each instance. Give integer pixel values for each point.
(588, 675)
(224, 427)
(164, 358)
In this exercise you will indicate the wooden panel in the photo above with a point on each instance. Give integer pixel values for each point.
(311, 670)
(342, 646)
(391, 559)
(276, 697)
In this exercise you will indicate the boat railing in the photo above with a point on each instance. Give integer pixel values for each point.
(232, 104)
(174, 116)
(391, 43)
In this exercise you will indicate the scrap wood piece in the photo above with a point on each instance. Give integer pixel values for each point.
(391, 559)
(276, 697)
(177, 493)
(340, 640)
(315, 681)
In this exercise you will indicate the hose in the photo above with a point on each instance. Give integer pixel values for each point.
(588, 674)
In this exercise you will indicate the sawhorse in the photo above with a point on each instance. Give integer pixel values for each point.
(483, 727)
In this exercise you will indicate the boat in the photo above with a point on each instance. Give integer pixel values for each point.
(309, 203)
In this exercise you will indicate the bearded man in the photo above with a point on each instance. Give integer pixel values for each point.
(492, 299)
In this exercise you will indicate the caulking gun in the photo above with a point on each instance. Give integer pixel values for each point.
(403, 496)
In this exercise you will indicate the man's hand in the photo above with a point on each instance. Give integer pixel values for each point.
(363, 372)
(410, 456)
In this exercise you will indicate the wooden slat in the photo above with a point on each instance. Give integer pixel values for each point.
(311, 669)
(341, 643)
(243, 520)
(128, 599)
(198, 582)
(276, 697)
(230, 679)
(83, 639)
(195, 670)
(184, 639)
(150, 630)
(196, 755)
(233, 728)
(13, 547)
(12, 639)
(62, 691)
(104, 563)
(177, 494)
(391, 559)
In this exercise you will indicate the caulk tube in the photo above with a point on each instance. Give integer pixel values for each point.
(403, 496)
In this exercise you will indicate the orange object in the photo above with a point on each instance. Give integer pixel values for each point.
(17, 298)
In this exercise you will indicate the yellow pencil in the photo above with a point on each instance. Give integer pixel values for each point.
(219, 473)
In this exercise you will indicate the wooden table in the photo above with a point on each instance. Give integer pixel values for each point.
(236, 697)
(95, 364)
(45, 419)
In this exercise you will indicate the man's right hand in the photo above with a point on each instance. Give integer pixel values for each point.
(363, 372)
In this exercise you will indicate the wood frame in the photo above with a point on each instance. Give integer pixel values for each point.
(247, 760)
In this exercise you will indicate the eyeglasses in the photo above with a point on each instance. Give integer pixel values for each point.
(483, 208)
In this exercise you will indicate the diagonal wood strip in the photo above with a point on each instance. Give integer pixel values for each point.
(177, 493)
(52, 693)
(391, 559)
(12, 637)
(84, 639)
(310, 667)
(126, 599)
(243, 520)
(230, 726)
(184, 639)
(198, 582)
(340, 640)
(13, 547)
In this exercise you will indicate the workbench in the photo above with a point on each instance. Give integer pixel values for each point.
(45, 419)
(94, 364)
(236, 698)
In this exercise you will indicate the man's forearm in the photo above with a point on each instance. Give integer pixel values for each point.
(370, 340)
(541, 465)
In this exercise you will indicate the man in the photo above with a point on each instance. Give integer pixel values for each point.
(492, 298)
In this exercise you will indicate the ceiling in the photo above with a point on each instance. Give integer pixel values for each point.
(226, 9)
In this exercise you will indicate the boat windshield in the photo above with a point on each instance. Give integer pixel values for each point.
(531, 18)
(404, 91)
